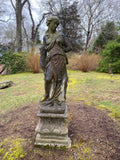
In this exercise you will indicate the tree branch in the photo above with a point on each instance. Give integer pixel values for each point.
(43, 17)
(5, 21)
(31, 16)
(25, 31)
(1, 20)
(13, 5)
(24, 2)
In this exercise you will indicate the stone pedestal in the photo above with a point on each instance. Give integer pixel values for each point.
(52, 129)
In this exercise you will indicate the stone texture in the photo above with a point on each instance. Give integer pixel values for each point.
(53, 109)
(52, 130)
(6, 84)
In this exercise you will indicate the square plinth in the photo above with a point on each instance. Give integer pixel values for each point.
(52, 129)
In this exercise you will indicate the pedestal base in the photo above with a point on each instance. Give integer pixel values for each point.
(52, 130)
(52, 141)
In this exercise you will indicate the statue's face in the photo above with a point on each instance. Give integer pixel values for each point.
(53, 25)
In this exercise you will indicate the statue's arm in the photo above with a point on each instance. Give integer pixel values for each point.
(43, 55)
(66, 44)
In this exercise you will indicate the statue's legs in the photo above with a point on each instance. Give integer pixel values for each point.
(48, 81)
(65, 86)
(61, 84)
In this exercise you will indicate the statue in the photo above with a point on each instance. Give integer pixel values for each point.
(52, 129)
(53, 63)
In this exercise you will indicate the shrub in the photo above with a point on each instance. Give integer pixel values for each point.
(108, 32)
(72, 59)
(13, 62)
(110, 58)
(84, 62)
(33, 62)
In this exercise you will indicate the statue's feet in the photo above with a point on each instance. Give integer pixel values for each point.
(45, 97)
(46, 101)
(57, 103)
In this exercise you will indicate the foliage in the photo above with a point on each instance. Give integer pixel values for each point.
(118, 26)
(108, 32)
(118, 39)
(13, 62)
(11, 149)
(111, 57)
(70, 25)
(33, 62)
(83, 62)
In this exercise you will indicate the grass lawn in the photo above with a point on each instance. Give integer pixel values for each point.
(93, 133)
(95, 89)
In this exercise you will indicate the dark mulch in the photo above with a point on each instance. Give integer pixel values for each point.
(88, 124)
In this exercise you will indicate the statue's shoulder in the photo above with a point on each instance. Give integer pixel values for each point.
(45, 37)
(60, 34)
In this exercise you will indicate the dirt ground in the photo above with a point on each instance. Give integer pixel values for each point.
(86, 124)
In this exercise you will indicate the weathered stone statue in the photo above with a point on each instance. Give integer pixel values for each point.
(53, 62)
(52, 129)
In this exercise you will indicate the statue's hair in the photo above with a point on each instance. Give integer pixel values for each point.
(52, 18)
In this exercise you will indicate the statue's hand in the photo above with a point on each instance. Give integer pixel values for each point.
(51, 45)
(42, 50)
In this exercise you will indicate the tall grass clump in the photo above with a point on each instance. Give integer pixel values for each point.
(33, 62)
(83, 62)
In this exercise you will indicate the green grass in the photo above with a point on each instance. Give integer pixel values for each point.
(28, 88)
(95, 89)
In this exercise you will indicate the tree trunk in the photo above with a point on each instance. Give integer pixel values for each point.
(18, 25)
(28, 47)
(86, 44)
(33, 48)
(33, 37)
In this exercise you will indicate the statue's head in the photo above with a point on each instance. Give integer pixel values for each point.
(52, 19)
(52, 23)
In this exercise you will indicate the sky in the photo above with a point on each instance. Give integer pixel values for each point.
(37, 10)
(38, 7)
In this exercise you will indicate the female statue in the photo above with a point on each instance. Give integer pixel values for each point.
(53, 62)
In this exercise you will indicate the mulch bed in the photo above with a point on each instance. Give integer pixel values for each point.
(88, 124)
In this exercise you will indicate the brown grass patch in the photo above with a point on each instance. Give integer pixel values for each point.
(83, 62)
(33, 62)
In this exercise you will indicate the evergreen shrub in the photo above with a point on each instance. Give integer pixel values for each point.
(110, 61)
(13, 62)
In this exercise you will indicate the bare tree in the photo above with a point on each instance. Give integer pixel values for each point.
(26, 34)
(35, 27)
(18, 7)
(92, 14)
(69, 19)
